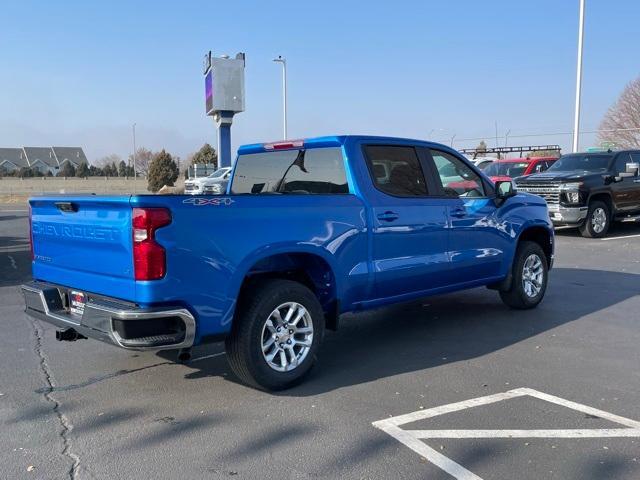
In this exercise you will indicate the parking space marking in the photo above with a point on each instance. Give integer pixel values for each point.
(414, 438)
(620, 237)
(205, 357)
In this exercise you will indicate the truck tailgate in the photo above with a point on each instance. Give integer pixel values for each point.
(84, 242)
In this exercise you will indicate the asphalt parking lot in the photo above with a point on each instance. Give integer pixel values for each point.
(492, 393)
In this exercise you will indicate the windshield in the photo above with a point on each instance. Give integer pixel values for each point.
(508, 169)
(311, 171)
(219, 173)
(581, 161)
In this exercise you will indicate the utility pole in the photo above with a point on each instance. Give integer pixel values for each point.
(283, 62)
(576, 118)
(135, 170)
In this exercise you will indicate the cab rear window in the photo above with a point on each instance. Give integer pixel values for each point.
(303, 171)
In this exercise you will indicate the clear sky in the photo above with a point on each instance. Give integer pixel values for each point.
(81, 72)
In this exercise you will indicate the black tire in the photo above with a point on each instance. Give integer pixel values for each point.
(244, 344)
(588, 228)
(516, 296)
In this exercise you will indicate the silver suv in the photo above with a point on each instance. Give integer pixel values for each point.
(214, 184)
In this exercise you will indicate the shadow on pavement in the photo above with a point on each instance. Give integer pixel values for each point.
(444, 329)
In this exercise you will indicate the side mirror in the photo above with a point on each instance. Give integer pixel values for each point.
(631, 170)
(504, 190)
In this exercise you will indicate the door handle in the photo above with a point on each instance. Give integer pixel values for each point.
(388, 216)
(458, 212)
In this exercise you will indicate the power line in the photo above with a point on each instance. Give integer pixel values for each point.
(528, 135)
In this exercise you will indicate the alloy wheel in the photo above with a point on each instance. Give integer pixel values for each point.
(287, 336)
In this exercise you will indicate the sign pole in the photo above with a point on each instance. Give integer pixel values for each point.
(224, 120)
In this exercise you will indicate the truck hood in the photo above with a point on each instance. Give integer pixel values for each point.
(552, 176)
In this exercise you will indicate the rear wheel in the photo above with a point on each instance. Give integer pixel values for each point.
(597, 222)
(529, 277)
(276, 334)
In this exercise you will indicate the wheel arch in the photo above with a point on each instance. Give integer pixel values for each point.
(602, 197)
(541, 235)
(312, 267)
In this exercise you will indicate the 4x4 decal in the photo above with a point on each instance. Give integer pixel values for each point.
(200, 201)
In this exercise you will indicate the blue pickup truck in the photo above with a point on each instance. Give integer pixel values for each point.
(307, 230)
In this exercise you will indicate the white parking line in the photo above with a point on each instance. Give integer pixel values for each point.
(413, 438)
(207, 356)
(575, 433)
(619, 238)
(15, 248)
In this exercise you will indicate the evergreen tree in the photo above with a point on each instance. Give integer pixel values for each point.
(82, 171)
(207, 154)
(68, 170)
(162, 171)
(122, 169)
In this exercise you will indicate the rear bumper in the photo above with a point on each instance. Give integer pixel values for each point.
(122, 324)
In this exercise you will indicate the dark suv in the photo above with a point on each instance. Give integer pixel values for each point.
(589, 190)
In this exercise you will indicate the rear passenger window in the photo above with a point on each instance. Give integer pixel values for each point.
(396, 170)
(458, 179)
(311, 171)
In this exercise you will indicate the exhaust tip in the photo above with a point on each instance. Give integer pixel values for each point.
(184, 355)
(68, 335)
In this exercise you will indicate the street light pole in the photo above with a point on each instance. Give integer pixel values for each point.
(576, 119)
(283, 61)
(135, 171)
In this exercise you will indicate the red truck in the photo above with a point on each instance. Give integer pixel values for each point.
(509, 168)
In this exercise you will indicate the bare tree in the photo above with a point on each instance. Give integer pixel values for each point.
(143, 160)
(108, 160)
(623, 116)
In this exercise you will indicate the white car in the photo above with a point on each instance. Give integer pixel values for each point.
(214, 184)
(483, 162)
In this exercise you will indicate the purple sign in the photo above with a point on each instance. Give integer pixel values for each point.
(208, 89)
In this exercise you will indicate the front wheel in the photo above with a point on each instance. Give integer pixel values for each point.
(276, 333)
(529, 277)
(596, 225)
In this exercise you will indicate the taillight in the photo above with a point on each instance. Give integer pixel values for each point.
(149, 259)
(31, 235)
